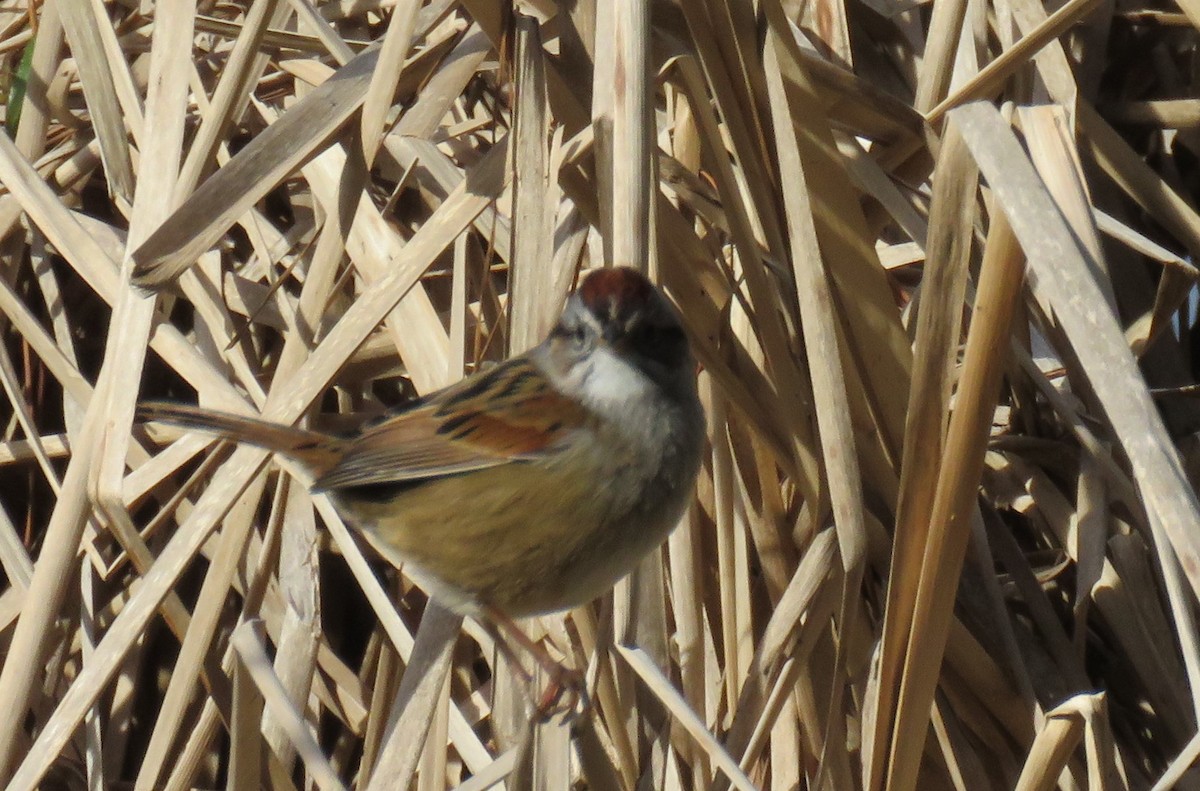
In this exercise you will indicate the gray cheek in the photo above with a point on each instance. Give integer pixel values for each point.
(583, 373)
(569, 368)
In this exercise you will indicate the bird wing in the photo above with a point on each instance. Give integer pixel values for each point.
(509, 413)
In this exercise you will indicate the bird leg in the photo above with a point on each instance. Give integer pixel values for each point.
(563, 681)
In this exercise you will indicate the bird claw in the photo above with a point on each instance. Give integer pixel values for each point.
(565, 695)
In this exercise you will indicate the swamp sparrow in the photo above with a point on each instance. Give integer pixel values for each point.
(532, 486)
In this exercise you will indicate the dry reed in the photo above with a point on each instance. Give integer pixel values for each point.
(936, 262)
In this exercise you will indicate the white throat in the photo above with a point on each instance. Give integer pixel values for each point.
(610, 385)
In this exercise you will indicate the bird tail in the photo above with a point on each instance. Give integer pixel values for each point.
(314, 450)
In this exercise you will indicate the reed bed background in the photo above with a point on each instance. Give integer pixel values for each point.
(936, 260)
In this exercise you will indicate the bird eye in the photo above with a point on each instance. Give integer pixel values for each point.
(576, 334)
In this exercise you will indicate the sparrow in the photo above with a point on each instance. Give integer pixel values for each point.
(530, 487)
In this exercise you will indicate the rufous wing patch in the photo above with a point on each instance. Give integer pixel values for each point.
(511, 413)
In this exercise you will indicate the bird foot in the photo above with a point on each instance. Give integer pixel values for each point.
(564, 696)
